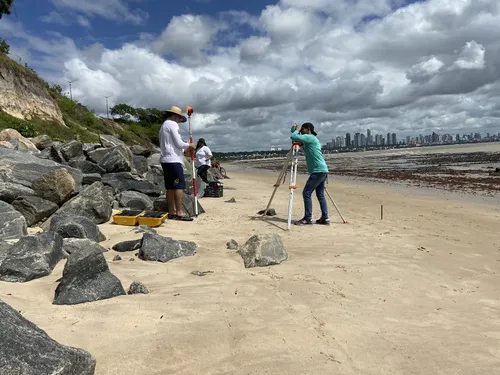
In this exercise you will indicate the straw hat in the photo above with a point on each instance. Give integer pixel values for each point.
(176, 110)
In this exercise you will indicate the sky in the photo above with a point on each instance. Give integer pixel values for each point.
(252, 69)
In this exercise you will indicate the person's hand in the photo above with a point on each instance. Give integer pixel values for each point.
(295, 127)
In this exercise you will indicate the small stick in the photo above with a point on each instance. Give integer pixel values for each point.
(381, 212)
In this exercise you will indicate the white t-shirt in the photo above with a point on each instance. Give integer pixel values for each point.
(202, 156)
(171, 145)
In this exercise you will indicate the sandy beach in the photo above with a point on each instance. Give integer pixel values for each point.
(414, 293)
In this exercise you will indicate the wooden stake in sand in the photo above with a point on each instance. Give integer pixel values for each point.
(381, 212)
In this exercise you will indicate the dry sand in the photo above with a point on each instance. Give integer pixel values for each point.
(414, 293)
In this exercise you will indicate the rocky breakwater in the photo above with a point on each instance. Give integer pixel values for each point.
(24, 95)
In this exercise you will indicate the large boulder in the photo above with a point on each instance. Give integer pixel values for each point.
(86, 166)
(42, 142)
(78, 245)
(56, 186)
(34, 209)
(124, 181)
(25, 349)
(140, 164)
(10, 191)
(32, 257)
(86, 278)
(75, 226)
(117, 159)
(12, 223)
(72, 150)
(22, 168)
(94, 202)
(17, 140)
(163, 249)
(110, 141)
(263, 250)
(135, 200)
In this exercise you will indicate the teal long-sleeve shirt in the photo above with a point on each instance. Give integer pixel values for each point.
(312, 148)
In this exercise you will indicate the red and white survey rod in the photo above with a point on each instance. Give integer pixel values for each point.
(189, 112)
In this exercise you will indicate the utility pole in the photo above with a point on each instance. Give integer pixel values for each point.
(107, 107)
(70, 92)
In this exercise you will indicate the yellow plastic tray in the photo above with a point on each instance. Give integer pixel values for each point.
(152, 221)
(130, 220)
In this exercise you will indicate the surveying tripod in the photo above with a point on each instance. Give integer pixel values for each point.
(292, 160)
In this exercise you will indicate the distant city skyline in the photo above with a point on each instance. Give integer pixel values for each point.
(356, 140)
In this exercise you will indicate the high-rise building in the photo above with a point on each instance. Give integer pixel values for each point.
(394, 139)
(348, 140)
(388, 138)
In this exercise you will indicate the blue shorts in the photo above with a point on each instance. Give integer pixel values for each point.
(173, 174)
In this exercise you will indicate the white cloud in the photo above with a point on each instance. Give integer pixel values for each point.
(471, 57)
(432, 65)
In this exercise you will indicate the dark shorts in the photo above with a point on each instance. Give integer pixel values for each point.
(173, 174)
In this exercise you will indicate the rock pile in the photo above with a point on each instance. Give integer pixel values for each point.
(41, 179)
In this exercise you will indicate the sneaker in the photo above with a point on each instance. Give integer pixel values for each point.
(302, 222)
(323, 221)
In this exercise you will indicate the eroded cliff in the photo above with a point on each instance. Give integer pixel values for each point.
(24, 95)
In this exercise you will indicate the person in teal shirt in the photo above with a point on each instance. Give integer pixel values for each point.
(318, 172)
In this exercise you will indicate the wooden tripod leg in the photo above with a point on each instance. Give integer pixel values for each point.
(328, 193)
(280, 177)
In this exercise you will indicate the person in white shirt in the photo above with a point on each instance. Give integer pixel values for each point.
(202, 162)
(172, 149)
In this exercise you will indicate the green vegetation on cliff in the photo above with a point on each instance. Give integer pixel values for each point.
(80, 123)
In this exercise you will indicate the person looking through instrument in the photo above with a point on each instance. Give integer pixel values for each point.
(318, 170)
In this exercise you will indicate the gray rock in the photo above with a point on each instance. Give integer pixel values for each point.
(263, 250)
(94, 202)
(25, 349)
(140, 164)
(128, 245)
(163, 249)
(87, 166)
(124, 181)
(117, 159)
(22, 168)
(145, 229)
(117, 257)
(155, 175)
(32, 257)
(56, 186)
(90, 178)
(75, 226)
(76, 245)
(10, 191)
(135, 200)
(110, 141)
(232, 200)
(137, 288)
(42, 142)
(232, 245)
(55, 153)
(86, 278)
(4, 249)
(34, 209)
(154, 159)
(72, 150)
(140, 150)
(12, 223)
(97, 155)
(87, 147)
